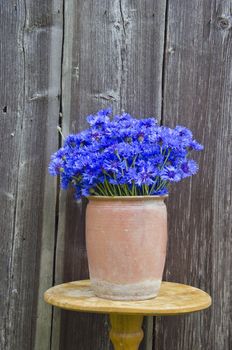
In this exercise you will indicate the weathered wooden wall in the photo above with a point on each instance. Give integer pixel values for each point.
(30, 64)
(59, 61)
(198, 93)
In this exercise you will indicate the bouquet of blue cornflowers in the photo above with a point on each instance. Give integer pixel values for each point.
(124, 156)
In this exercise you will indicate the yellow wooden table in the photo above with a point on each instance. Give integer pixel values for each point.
(126, 316)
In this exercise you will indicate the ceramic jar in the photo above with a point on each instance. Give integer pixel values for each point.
(126, 241)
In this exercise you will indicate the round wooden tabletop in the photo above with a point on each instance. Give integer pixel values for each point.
(173, 299)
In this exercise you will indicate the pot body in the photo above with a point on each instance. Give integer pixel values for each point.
(126, 241)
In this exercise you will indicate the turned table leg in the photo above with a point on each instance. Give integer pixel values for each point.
(126, 332)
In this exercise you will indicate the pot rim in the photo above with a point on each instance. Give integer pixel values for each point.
(124, 198)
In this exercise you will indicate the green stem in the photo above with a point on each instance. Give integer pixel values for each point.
(126, 190)
(134, 160)
(126, 164)
(133, 188)
(146, 189)
(76, 178)
(118, 186)
(118, 156)
(162, 184)
(101, 191)
(166, 159)
(153, 187)
(108, 187)
(136, 191)
(143, 192)
(94, 192)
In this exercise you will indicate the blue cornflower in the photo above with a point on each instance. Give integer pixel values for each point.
(148, 122)
(183, 132)
(170, 173)
(146, 175)
(124, 156)
(89, 177)
(194, 145)
(71, 140)
(65, 180)
(112, 165)
(122, 118)
(85, 192)
(55, 166)
(100, 118)
(189, 168)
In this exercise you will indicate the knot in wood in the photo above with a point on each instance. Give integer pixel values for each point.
(171, 50)
(224, 22)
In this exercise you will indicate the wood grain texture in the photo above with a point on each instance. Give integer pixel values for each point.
(197, 93)
(110, 50)
(126, 316)
(112, 55)
(173, 299)
(29, 110)
(50, 209)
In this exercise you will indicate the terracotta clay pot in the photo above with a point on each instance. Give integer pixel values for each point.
(126, 245)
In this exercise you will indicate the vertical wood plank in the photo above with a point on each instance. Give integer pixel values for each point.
(113, 55)
(197, 93)
(10, 117)
(50, 205)
(29, 112)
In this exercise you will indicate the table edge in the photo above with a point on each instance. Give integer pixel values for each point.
(124, 310)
